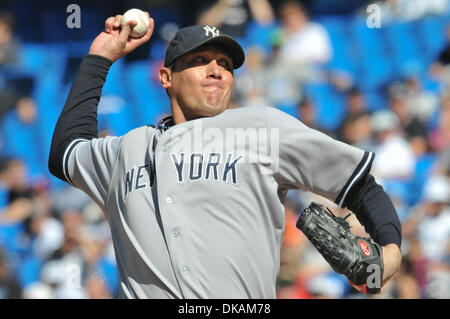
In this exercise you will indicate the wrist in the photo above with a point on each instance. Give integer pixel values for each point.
(102, 55)
(94, 64)
(392, 258)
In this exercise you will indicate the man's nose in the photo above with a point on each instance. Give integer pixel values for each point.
(213, 70)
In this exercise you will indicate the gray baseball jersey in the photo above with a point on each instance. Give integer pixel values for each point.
(196, 211)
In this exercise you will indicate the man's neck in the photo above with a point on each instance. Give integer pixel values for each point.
(178, 115)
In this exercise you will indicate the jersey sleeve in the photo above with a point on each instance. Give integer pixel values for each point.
(89, 164)
(311, 160)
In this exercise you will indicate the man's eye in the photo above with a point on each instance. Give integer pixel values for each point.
(224, 63)
(199, 59)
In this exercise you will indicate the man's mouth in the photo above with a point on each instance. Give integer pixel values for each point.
(212, 85)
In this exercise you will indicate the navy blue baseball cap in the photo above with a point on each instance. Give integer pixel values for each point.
(190, 38)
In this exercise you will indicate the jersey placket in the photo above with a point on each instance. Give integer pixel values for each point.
(171, 207)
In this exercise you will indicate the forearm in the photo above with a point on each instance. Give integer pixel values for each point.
(392, 258)
(215, 15)
(375, 211)
(262, 11)
(78, 118)
(17, 211)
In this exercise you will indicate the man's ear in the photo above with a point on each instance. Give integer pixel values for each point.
(165, 77)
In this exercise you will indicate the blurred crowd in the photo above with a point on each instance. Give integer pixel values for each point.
(56, 243)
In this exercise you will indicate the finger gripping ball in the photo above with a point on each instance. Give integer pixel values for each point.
(142, 22)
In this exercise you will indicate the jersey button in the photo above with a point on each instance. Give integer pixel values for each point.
(176, 233)
(185, 270)
(169, 200)
(165, 148)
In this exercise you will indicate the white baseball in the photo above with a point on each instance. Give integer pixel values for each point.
(142, 22)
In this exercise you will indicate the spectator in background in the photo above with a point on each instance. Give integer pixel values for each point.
(282, 82)
(69, 259)
(9, 288)
(398, 193)
(73, 271)
(96, 288)
(415, 261)
(412, 119)
(355, 128)
(17, 192)
(17, 108)
(232, 16)
(440, 135)
(292, 248)
(394, 159)
(18, 134)
(411, 125)
(306, 112)
(443, 163)
(327, 286)
(410, 10)
(422, 103)
(440, 69)
(15, 91)
(404, 284)
(356, 104)
(303, 42)
(9, 45)
(46, 230)
(249, 86)
(298, 46)
(430, 222)
(431, 219)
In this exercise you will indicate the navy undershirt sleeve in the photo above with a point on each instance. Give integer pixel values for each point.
(78, 118)
(375, 211)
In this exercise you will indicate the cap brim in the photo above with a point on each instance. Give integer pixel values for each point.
(226, 43)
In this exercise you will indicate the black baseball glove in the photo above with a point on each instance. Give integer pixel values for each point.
(359, 259)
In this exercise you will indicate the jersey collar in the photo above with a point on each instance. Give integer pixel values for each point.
(166, 123)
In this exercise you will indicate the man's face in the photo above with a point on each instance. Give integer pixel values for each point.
(293, 18)
(201, 82)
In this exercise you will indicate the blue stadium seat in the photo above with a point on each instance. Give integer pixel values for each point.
(292, 110)
(29, 270)
(430, 84)
(343, 49)
(260, 35)
(430, 33)
(375, 100)
(109, 271)
(10, 240)
(91, 24)
(33, 57)
(329, 104)
(50, 18)
(115, 115)
(404, 50)
(369, 40)
(114, 84)
(20, 141)
(424, 166)
(47, 64)
(47, 98)
(371, 50)
(158, 50)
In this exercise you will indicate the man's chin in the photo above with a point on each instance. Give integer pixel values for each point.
(212, 110)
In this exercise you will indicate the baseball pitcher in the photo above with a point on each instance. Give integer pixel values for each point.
(195, 203)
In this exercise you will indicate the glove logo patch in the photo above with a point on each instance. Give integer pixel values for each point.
(364, 247)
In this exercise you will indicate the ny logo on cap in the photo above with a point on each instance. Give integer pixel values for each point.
(214, 32)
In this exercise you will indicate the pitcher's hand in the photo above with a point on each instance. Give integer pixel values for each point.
(114, 42)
